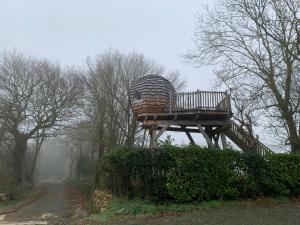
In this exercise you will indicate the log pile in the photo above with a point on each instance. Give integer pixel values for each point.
(101, 199)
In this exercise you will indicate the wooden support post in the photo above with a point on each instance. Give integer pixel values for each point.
(151, 135)
(216, 140)
(190, 137)
(223, 138)
(207, 138)
(154, 137)
(144, 139)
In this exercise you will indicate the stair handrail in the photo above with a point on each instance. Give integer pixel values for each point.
(249, 139)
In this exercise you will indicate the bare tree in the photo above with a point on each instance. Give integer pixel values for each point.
(108, 79)
(176, 80)
(35, 95)
(78, 140)
(255, 45)
(39, 139)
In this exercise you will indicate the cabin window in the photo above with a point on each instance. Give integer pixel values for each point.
(137, 96)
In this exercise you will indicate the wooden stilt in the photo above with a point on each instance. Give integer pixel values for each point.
(207, 138)
(223, 138)
(216, 140)
(144, 139)
(151, 135)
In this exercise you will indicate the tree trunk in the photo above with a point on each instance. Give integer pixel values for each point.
(98, 171)
(30, 174)
(18, 157)
(293, 135)
(38, 144)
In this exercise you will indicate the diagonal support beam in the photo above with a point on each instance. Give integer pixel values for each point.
(190, 137)
(155, 136)
(164, 128)
(207, 138)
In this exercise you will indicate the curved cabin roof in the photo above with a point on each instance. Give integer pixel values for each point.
(152, 94)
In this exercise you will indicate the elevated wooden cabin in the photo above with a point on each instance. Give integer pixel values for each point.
(159, 108)
(152, 94)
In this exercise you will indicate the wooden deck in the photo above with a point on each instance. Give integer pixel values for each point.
(197, 105)
(205, 112)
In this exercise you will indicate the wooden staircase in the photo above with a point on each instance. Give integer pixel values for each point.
(245, 140)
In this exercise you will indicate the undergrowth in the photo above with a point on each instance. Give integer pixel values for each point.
(133, 209)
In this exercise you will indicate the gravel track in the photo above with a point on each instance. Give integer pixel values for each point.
(53, 206)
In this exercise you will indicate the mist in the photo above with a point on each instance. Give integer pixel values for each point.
(53, 163)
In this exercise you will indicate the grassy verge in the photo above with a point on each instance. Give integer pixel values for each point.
(22, 198)
(7, 204)
(142, 208)
(137, 209)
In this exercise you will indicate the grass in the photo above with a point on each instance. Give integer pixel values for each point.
(21, 195)
(7, 204)
(136, 209)
(144, 208)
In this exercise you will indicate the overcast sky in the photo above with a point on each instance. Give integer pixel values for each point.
(66, 31)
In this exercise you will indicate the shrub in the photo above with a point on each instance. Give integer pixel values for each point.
(136, 172)
(282, 174)
(192, 173)
(204, 174)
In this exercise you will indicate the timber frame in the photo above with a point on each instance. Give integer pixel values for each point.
(206, 113)
(211, 130)
(202, 112)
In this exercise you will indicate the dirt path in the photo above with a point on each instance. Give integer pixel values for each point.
(54, 208)
(51, 207)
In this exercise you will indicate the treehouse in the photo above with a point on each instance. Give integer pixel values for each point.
(160, 108)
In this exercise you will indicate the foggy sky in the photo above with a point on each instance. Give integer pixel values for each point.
(66, 31)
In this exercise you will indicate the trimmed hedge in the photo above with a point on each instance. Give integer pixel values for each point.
(137, 172)
(192, 173)
(282, 175)
(203, 175)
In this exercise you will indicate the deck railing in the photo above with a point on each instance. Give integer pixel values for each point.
(202, 100)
